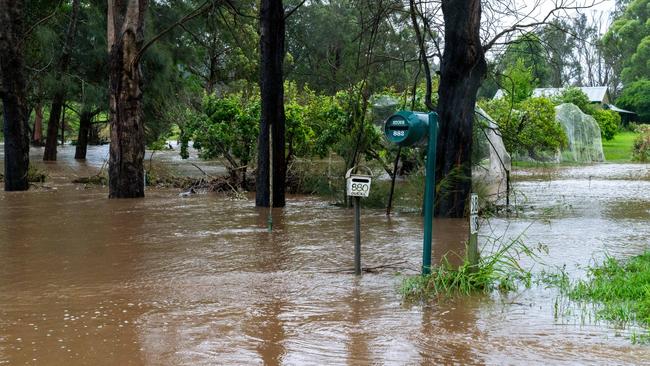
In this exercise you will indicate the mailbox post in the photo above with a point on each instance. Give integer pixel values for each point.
(406, 128)
(358, 185)
(472, 244)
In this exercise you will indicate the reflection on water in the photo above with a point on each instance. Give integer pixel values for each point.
(201, 281)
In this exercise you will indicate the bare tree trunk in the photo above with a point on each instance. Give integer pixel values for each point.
(272, 51)
(462, 70)
(82, 139)
(126, 161)
(37, 136)
(59, 93)
(13, 95)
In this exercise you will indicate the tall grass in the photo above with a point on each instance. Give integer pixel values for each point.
(622, 288)
(499, 270)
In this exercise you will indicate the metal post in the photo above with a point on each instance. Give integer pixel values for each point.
(429, 193)
(472, 246)
(357, 236)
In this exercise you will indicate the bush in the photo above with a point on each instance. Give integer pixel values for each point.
(608, 121)
(636, 97)
(529, 127)
(575, 95)
(641, 147)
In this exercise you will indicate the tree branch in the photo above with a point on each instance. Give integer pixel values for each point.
(545, 20)
(290, 12)
(43, 20)
(207, 5)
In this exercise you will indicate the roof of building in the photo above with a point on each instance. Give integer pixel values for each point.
(594, 93)
(619, 110)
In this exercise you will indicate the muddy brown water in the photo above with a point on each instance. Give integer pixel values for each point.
(168, 280)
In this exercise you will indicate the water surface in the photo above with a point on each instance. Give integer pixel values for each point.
(200, 281)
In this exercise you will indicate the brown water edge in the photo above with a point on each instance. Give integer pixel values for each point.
(200, 280)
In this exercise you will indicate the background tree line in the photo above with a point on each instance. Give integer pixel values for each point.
(214, 72)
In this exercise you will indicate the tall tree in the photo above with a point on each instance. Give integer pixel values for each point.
(59, 92)
(272, 53)
(461, 72)
(125, 39)
(627, 42)
(530, 50)
(14, 95)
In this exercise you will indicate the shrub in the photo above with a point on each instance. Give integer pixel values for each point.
(636, 97)
(608, 121)
(641, 147)
(529, 127)
(575, 96)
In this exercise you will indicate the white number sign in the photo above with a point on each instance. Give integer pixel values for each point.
(473, 214)
(473, 224)
(473, 204)
(358, 186)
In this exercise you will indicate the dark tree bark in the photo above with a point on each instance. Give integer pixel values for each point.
(462, 70)
(84, 129)
(37, 136)
(13, 95)
(125, 41)
(59, 93)
(272, 51)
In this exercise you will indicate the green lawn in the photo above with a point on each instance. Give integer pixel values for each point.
(619, 149)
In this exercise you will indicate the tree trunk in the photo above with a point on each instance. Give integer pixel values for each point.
(37, 136)
(461, 72)
(53, 127)
(13, 95)
(63, 126)
(59, 93)
(272, 51)
(82, 139)
(126, 161)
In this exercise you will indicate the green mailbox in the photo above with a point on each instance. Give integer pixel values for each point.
(406, 128)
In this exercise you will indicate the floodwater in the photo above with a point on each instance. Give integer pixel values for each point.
(168, 280)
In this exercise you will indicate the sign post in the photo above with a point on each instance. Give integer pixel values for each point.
(358, 185)
(472, 246)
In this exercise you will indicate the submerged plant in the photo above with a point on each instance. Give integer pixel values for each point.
(500, 270)
(621, 288)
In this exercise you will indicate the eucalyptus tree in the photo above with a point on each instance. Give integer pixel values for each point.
(58, 97)
(627, 42)
(127, 46)
(14, 94)
(90, 65)
(469, 29)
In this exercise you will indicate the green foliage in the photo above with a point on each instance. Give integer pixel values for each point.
(499, 270)
(636, 97)
(518, 82)
(608, 121)
(228, 127)
(35, 174)
(526, 54)
(641, 147)
(627, 41)
(528, 128)
(621, 287)
(325, 38)
(575, 96)
(560, 42)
